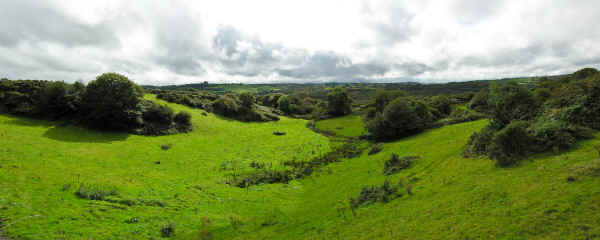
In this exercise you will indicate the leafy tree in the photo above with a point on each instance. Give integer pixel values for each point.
(402, 117)
(111, 101)
(338, 102)
(443, 104)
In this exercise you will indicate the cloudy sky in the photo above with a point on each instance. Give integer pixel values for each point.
(173, 42)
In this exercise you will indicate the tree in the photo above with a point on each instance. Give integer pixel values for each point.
(338, 102)
(400, 118)
(111, 101)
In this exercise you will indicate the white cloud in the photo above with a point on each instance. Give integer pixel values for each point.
(173, 42)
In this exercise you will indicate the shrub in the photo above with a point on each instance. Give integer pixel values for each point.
(167, 230)
(95, 192)
(338, 102)
(443, 104)
(376, 149)
(225, 106)
(584, 73)
(111, 102)
(247, 99)
(479, 142)
(371, 194)
(510, 144)
(159, 114)
(479, 101)
(400, 118)
(510, 102)
(395, 164)
(183, 120)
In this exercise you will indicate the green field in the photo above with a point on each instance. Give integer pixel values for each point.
(347, 126)
(42, 165)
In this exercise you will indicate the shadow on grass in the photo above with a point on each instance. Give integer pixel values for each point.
(77, 134)
(62, 131)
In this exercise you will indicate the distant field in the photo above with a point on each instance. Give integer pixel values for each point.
(347, 126)
(42, 165)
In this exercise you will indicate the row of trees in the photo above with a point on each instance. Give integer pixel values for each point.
(111, 102)
(247, 107)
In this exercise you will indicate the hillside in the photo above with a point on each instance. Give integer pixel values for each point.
(43, 165)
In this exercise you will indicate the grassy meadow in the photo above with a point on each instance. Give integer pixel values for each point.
(43, 165)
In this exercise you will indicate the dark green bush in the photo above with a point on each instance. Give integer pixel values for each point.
(510, 144)
(159, 114)
(247, 99)
(371, 194)
(225, 106)
(510, 102)
(183, 120)
(339, 102)
(111, 102)
(167, 230)
(400, 118)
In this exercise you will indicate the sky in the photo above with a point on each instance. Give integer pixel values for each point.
(269, 41)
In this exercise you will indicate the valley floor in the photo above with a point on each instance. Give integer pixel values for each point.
(43, 165)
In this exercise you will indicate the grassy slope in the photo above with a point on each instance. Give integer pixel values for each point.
(454, 198)
(347, 126)
(38, 158)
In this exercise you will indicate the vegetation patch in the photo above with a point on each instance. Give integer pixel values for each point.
(95, 192)
(554, 116)
(299, 169)
(372, 194)
(376, 148)
(395, 164)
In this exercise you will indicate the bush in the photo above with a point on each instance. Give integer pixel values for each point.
(510, 144)
(226, 106)
(247, 99)
(338, 102)
(371, 194)
(183, 120)
(584, 73)
(400, 118)
(159, 114)
(479, 142)
(395, 164)
(95, 192)
(510, 102)
(443, 104)
(479, 101)
(167, 230)
(376, 149)
(111, 101)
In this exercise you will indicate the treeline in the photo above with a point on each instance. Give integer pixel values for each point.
(110, 102)
(554, 115)
(248, 107)
(393, 114)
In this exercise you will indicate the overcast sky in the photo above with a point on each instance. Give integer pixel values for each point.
(173, 42)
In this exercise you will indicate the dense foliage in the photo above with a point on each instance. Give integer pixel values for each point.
(552, 116)
(110, 102)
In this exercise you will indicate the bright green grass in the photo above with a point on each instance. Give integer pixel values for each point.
(347, 126)
(454, 198)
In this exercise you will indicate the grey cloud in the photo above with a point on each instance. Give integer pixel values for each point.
(475, 11)
(37, 21)
(178, 36)
(393, 26)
